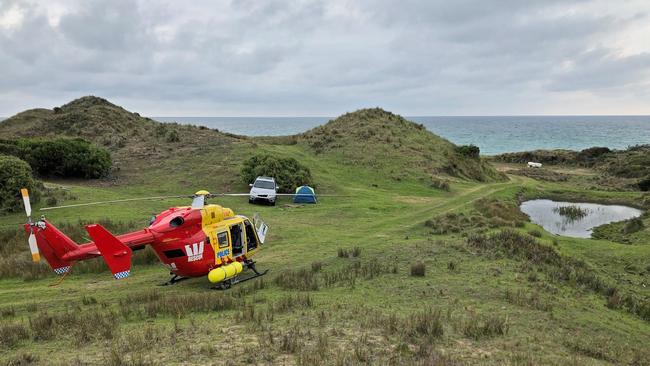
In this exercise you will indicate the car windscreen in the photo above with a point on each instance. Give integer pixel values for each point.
(264, 184)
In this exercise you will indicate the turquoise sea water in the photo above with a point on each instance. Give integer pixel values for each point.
(494, 135)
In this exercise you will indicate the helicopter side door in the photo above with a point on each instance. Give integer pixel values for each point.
(252, 242)
(237, 239)
(221, 244)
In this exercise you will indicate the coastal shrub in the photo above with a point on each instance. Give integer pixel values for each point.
(591, 154)
(644, 184)
(418, 269)
(14, 175)
(69, 158)
(441, 184)
(471, 151)
(172, 136)
(288, 172)
(633, 225)
(551, 157)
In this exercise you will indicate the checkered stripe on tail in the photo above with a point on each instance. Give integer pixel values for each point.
(121, 275)
(62, 270)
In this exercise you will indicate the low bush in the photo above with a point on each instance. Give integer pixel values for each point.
(418, 269)
(591, 154)
(73, 158)
(633, 225)
(471, 151)
(441, 184)
(14, 175)
(644, 184)
(316, 266)
(288, 172)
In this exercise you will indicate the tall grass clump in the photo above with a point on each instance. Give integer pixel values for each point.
(300, 279)
(485, 327)
(572, 212)
(418, 269)
(426, 323)
(151, 304)
(12, 333)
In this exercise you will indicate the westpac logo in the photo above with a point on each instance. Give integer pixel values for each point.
(194, 251)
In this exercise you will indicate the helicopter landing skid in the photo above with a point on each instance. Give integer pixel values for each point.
(224, 285)
(174, 280)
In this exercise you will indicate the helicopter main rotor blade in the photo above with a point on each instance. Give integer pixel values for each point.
(309, 194)
(229, 194)
(115, 201)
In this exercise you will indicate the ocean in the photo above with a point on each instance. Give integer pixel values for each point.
(492, 134)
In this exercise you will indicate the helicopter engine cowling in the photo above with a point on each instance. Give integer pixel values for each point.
(225, 272)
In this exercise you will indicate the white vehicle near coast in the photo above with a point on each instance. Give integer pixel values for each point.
(532, 164)
(263, 189)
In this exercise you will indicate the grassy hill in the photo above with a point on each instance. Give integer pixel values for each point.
(377, 139)
(366, 137)
(396, 272)
(135, 142)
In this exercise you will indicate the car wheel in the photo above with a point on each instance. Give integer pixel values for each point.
(250, 200)
(272, 203)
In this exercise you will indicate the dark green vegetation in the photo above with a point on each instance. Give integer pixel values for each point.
(67, 158)
(628, 168)
(288, 172)
(571, 212)
(360, 280)
(14, 175)
(471, 151)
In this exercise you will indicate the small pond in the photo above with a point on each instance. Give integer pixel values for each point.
(581, 219)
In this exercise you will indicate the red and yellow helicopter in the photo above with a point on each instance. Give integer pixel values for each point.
(194, 241)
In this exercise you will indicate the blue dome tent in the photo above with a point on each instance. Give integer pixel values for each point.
(304, 194)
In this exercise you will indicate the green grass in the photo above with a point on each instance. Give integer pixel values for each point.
(355, 279)
(354, 309)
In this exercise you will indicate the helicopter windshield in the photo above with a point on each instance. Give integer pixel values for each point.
(265, 184)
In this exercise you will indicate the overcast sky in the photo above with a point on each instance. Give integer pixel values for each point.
(323, 58)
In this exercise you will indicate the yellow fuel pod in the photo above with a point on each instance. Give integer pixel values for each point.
(225, 272)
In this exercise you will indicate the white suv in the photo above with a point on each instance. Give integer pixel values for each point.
(264, 189)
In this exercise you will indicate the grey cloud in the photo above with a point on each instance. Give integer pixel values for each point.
(323, 57)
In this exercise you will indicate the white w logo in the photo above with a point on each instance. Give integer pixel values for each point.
(194, 251)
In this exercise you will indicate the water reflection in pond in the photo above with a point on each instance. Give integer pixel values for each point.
(547, 214)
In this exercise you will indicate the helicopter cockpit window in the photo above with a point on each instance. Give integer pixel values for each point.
(222, 238)
(176, 221)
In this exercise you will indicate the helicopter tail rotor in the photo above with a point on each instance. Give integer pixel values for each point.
(33, 246)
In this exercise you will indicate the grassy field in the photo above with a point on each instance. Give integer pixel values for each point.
(317, 306)
(394, 271)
